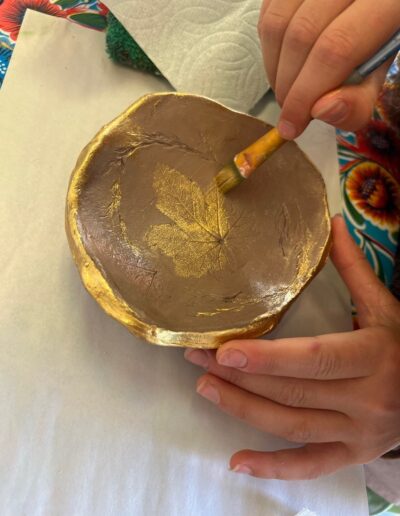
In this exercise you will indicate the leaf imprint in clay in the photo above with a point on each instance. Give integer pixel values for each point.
(198, 238)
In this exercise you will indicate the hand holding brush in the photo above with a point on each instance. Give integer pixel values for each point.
(248, 160)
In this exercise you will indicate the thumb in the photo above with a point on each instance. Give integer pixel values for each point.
(350, 107)
(374, 303)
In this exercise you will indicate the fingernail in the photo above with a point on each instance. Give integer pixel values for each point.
(331, 111)
(197, 357)
(287, 130)
(232, 358)
(242, 468)
(209, 392)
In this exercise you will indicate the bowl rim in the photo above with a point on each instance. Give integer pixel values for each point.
(113, 304)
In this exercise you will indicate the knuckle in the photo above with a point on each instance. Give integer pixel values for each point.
(325, 365)
(302, 32)
(292, 394)
(300, 433)
(273, 24)
(335, 47)
(325, 361)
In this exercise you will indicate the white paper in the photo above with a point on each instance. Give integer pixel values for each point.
(208, 47)
(93, 420)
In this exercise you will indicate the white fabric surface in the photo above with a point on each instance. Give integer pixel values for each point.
(209, 47)
(94, 421)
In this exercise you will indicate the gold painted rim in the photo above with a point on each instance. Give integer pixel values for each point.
(97, 286)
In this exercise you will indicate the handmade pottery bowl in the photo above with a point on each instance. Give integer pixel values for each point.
(164, 253)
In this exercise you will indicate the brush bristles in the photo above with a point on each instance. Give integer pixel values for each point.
(229, 177)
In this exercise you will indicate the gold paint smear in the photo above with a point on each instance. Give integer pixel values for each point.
(125, 236)
(241, 303)
(116, 196)
(196, 239)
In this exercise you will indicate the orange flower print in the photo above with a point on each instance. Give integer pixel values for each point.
(375, 194)
(389, 105)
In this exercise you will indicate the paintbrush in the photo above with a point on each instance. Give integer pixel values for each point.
(248, 160)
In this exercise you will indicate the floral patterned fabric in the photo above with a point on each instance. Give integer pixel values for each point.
(369, 159)
(370, 180)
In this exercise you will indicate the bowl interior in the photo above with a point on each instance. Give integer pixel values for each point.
(182, 256)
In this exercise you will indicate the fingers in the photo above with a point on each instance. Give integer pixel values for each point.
(306, 463)
(350, 108)
(274, 19)
(327, 357)
(373, 301)
(291, 392)
(304, 29)
(294, 424)
(338, 51)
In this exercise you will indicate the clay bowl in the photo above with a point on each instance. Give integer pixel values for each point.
(169, 257)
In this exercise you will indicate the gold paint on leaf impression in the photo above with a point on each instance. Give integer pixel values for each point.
(198, 238)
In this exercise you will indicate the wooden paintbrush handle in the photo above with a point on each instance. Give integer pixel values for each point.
(253, 156)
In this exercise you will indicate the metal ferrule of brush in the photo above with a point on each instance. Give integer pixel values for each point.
(386, 52)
